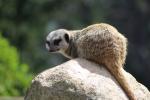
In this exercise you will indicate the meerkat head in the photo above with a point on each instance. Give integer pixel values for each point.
(57, 40)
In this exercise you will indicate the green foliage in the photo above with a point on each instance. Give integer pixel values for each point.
(14, 76)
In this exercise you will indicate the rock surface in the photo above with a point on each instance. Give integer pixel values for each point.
(79, 79)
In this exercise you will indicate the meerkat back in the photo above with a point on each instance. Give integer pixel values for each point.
(102, 43)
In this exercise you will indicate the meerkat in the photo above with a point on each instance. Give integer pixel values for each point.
(100, 43)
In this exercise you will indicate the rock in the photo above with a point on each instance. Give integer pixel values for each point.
(79, 79)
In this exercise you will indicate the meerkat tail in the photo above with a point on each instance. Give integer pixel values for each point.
(119, 76)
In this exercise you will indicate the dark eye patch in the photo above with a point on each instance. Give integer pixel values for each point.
(66, 38)
(47, 42)
(57, 41)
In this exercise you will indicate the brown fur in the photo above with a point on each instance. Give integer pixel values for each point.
(104, 45)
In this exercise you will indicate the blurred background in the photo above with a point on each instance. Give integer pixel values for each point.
(24, 25)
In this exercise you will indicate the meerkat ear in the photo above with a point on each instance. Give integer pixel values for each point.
(66, 36)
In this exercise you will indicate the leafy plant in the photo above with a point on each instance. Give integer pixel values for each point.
(14, 75)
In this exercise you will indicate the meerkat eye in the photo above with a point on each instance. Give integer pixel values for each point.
(57, 41)
(66, 38)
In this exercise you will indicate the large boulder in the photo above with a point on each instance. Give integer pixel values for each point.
(79, 79)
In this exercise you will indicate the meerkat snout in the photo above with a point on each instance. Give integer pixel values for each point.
(57, 40)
